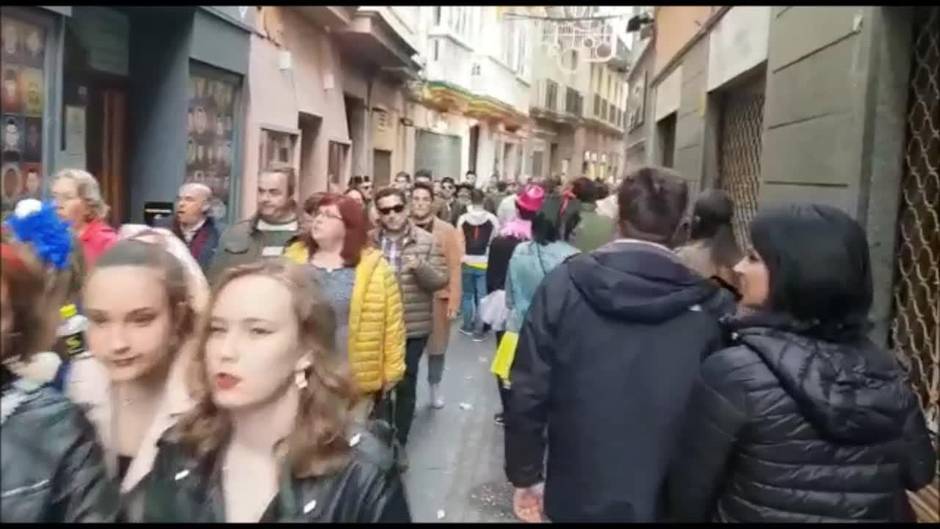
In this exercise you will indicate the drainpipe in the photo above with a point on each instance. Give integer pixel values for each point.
(367, 130)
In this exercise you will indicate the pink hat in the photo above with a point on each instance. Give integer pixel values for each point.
(531, 197)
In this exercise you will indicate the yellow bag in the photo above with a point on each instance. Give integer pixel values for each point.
(505, 354)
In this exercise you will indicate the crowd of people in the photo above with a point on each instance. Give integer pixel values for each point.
(650, 367)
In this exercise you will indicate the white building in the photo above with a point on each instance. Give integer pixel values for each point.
(475, 97)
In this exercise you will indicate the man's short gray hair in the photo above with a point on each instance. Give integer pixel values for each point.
(88, 190)
(197, 186)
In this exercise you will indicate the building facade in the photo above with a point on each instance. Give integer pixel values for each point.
(329, 95)
(473, 104)
(832, 105)
(579, 110)
(144, 98)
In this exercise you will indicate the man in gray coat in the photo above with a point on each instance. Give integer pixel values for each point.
(421, 270)
(264, 234)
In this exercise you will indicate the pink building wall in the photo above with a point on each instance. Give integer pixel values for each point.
(277, 98)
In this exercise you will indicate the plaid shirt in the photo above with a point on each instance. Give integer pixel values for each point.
(392, 251)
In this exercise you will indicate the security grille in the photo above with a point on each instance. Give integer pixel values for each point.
(915, 330)
(742, 122)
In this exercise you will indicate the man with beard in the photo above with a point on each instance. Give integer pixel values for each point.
(446, 300)
(265, 233)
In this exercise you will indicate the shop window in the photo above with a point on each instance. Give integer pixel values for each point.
(277, 149)
(210, 157)
(24, 104)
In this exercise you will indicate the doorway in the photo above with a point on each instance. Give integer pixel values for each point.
(381, 168)
(474, 147)
(102, 97)
(309, 126)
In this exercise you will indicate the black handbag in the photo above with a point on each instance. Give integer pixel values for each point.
(382, 422)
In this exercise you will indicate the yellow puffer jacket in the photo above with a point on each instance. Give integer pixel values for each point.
(376, 321)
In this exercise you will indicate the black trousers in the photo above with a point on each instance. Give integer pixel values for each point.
(503, 391)
(407, 389)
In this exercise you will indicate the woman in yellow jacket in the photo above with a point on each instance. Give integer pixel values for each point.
(361, 287)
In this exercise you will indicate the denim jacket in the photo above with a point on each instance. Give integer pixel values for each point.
(530, 263)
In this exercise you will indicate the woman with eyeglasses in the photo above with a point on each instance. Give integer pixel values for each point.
(361, 288)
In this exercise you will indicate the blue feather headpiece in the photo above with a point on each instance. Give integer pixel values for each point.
(38, 225)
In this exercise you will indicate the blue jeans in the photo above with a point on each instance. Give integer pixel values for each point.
(474, 290)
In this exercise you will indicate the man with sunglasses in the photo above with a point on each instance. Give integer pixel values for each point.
(444, 207)
(421, 270)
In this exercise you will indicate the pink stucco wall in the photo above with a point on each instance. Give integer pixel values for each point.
(277, 97)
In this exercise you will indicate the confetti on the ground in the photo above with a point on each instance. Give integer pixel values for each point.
(465, 406)
(441, 514)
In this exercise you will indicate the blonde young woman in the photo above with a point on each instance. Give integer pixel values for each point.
(271, 437)
(140, 302)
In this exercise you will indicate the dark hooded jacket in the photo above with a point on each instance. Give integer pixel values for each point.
(607, 356)
(785, 427)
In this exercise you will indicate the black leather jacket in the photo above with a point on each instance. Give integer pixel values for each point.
(183, 489)
(785, 427)
(53, 469)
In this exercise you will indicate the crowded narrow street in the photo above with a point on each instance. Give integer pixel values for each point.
(470, 264)
(456, 453)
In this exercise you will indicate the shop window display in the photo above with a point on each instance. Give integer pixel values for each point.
(23, 101)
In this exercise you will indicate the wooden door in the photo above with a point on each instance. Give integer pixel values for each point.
(113, 149)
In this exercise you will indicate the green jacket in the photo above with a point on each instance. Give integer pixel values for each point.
(241, 243)
(593, 231)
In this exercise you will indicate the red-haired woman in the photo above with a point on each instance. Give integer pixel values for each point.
(53, 469)
(360, 287)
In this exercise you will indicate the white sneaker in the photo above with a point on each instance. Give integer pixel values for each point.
(437, 402)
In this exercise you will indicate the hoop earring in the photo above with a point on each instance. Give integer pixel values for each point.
(300, 380)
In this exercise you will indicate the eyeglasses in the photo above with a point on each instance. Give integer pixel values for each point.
(397, 209)
(326, 214)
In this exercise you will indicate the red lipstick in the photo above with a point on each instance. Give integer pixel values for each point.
(225, 381)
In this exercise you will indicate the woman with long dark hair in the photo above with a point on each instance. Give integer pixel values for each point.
(803, 418)
(270, 438)
(712, 250)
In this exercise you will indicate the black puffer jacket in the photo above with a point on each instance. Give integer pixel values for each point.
(607, 356)
(787, 428)
(52, 467)
(181, 489)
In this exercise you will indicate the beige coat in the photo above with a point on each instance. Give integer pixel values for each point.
(418, 286)
(447, 299)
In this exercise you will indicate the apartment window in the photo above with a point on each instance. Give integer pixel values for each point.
(437, 15)
(522, 66)
(551, 95)
(508, 54)
(597, 105)
(277, 148)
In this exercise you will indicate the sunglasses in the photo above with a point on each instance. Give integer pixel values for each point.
(397, 209)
